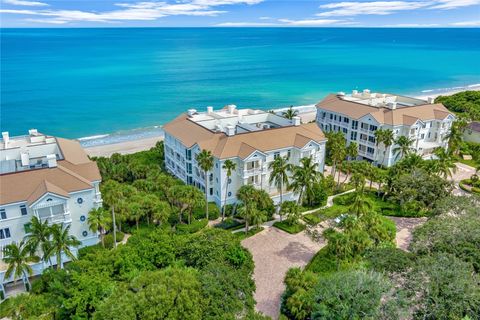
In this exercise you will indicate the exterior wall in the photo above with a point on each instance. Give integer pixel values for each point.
(427, 135)
(245, 173)
(75, 214)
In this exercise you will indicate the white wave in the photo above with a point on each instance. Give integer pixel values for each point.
(98, 136)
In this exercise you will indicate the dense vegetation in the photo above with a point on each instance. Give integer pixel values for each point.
(464, 103)
(350, 278)
(157, 275)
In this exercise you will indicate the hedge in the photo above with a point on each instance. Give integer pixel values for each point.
(290, 228)
(195, 226)
(108, 239)
(213, 212)
(229, 223)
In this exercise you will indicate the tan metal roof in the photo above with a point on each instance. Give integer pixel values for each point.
(76, 172)
(242, 144)
(398, 116)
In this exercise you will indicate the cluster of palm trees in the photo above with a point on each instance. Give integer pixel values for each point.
(48, 240)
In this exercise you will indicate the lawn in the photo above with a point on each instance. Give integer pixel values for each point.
(290, 228)
(253, 231)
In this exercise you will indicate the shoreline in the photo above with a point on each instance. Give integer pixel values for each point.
(138, 143)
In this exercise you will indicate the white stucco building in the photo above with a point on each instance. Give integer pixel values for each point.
(250, 138)
(359, 114)
(50, 178)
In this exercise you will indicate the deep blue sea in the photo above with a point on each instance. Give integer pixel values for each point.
(84, 82)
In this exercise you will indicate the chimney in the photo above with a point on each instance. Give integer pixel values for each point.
(52, 160)
(25, 158)
(296, 121)
(6, 139)
(392, 105)
(231, 108)
(431, 100)
(230, 130)
(209, 110)
(191, 112)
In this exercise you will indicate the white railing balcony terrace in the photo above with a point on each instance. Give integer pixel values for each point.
(58, 218)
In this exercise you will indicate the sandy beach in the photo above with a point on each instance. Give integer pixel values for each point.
(307, 115)
(127, 147)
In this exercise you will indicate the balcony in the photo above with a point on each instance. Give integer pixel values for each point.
(57, 218)
(251, 172)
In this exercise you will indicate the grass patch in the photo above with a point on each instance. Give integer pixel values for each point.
(253, 231)
(230, 224)
(471, 163)
(290, 228)
(312, 218)
(195, 226)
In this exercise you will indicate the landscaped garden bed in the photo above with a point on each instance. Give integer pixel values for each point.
(253, 231)
(291, 228)
(470, 185)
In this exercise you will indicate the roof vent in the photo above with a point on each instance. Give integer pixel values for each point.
(25, 158)
(230, 130)
(209, 109)
(392, 105)
(52, 160)
(296, 120)
(33, 132)
(191, 112)
(231, 108)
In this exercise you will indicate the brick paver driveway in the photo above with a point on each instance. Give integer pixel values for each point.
(274, 252)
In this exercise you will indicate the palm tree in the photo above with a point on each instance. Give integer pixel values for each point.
(455, 136)
(136, 212)
(18, 257)
(360, 204)
(358, 181)
(446, 165)
(39, 237)
(258, 217)
(388, 139)
(279, 169)
(112, 194)
(352, 150)
(187, 198)
(99, 221)
(304, 177)
(290, 113)
(403, 148)
(229, 166)
(162, 212)
(205, 162)
(246, 194)
(62, 241)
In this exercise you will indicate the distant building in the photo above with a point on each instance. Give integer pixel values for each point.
(472, 133)
(49, 178)
(359, 114)
(250, 138)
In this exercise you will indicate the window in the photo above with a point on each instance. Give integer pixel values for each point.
(276, 155)
(3, 214)
(5, 233)
(229, 193)
(84, 233)
(370, 150)
(211, 191)
(189, 168)
(335, 118)
(229, 180)
(331, 116)
(354, 124)
(364, 126)
(412, 131)
(188, 154)
(23, 210)
(429, 134)
(345, 130)
(371, 139)
(346, 120)
(353, 135)
(373, 128)
(289, 153)
(422, 136)
(79, 200)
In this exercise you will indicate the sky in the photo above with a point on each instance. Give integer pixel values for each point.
(239, 13)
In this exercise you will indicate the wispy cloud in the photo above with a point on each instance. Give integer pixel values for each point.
(368, 8)
(475, 23)
(355, 8)
(245, 24)
(412, 25)
(26, 3)
(137, 11)
(453, 4)
(310, 22)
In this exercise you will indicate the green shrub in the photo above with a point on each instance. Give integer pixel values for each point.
(195, 226)
(252, 231)
(108, 239)
(312, 218)
(290, 228)
(322, 262)
(343, 200)
(213, 212)
(476, 190)
(389, 259)
(228, 224)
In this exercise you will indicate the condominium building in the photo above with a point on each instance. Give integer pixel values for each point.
(48, 178)
(359, 114)
(252, 139)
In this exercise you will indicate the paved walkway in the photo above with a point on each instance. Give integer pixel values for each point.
(274, 252)
(405, 228)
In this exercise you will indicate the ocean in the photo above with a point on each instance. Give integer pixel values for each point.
(117, 84)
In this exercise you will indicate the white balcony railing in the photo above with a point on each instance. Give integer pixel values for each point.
(58, 218)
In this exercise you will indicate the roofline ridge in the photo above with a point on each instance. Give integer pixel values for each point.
(74, 174)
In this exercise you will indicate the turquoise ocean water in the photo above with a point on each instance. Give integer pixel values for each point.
(87, 82)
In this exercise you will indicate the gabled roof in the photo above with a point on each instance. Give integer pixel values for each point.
(43, 188)
(242, 144)
(399, 116)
